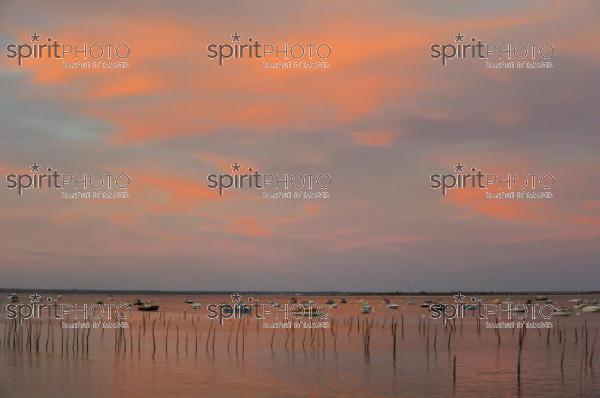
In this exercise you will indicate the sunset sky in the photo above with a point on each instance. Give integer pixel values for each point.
(380, 121)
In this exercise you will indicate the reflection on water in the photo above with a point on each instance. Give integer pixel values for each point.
(179, 352)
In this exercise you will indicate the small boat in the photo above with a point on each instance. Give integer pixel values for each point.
(410, 302)
(496, 301)
(343, 301)
(579, 306)
(330, 301)
(148, 307)
(100, 302)
(393, 306)
(275, 305)
(196, 306)
(366, 309)
(541, 297)
(576, 300)
(591, 308)
(13, 298)
(548, 301)
(188, 301)
(293, 300)
(426, 303)
(561, 311)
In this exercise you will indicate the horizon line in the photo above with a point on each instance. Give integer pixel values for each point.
(301, 292)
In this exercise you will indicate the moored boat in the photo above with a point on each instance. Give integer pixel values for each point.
(591, 308)
(148, 307)
(426, 303)
(561, 311)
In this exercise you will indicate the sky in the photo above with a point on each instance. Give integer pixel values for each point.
(380, 120)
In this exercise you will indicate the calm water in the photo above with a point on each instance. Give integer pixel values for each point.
(305, 363)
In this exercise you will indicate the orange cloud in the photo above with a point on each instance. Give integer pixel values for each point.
(168, 193)
(374, 138)
(249, 227)
(312, 208)
(504, 209)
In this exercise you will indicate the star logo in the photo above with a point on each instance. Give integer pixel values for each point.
(235, 37)
(459, 298)
(35, 37)
(459, 167)
(235, 167)
(35, 167)
(459, 37)
(236, 298)
(35, 298)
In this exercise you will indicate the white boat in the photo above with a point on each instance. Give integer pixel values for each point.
(561, 311)
(541, 297)
(393, 306)
(366, 309)
(591, 308)
(188, 301)
(196, 306)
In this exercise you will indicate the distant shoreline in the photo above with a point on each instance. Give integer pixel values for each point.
(303, 293)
